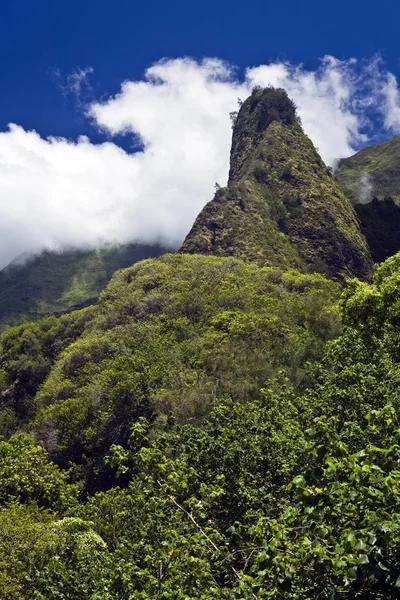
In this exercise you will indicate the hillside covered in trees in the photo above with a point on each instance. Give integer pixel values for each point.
(57, 282)
(223, 423)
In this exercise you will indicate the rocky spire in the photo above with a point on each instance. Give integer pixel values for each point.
(281, 206)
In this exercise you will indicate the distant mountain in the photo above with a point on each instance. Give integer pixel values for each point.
(371, 179)
(57, 282)
(372, 172)
(282, 207)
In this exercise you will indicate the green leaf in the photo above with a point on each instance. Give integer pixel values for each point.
(299, 480)
(350, 538)
(352, 573)
(361, 545)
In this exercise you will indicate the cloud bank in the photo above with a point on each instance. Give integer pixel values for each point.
(56, 192)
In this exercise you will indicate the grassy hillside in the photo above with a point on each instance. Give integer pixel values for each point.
(55, 282)
(374, 171)
(282, 207)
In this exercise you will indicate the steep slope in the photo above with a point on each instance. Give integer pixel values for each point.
(281, 207)
(374, 171)
(56, 282)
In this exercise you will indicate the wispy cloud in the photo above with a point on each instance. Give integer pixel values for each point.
(56, 192)
(365, 188)
(75, 85)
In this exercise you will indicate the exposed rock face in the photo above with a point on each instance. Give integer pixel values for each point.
(281, 207)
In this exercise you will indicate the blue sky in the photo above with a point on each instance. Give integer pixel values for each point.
(120, 39)
(92, 68)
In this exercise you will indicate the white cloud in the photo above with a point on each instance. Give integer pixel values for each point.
(77, 79)
(55, 192)
(75, 85)
(391, 107)
(324, 101)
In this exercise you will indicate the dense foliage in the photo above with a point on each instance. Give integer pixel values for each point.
(168, 337)
(286, 486)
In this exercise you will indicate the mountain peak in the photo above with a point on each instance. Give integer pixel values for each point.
(282, 207)
(256, 114)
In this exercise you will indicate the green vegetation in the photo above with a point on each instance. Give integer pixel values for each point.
(168, 337)
(284, 486)
(55, 282)
(374, 171)
(282, 207)
(215, 428)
